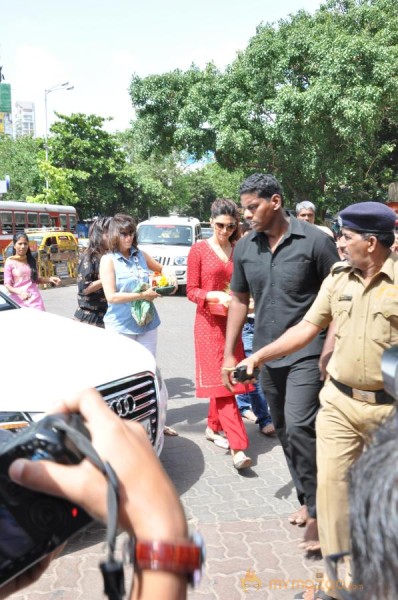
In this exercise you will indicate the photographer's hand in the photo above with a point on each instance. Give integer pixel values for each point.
(149, 504)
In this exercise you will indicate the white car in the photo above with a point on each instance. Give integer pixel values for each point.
(47, 358)
(169, 240)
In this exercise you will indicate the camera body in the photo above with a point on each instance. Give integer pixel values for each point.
(389, 369)
(240, 374)
(33, 524)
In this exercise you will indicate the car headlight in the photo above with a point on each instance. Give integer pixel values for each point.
(180, 260)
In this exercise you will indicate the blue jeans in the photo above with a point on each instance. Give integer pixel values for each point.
(255, 400)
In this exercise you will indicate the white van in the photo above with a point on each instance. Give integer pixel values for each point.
(169, 240)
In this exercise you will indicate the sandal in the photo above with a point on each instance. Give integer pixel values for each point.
(217, 437)
(241, 461)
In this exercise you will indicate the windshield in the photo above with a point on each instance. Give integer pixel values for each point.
(167, 235)
(6, 303)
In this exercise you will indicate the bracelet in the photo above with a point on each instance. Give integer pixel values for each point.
(228, 368)
(186, 558)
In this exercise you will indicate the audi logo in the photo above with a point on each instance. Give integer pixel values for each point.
(123, 405)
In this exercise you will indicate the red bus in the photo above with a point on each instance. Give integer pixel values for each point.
(17, 216)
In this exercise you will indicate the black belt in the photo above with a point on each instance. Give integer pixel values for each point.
(378, 396)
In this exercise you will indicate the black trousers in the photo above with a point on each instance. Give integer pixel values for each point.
(293, 399)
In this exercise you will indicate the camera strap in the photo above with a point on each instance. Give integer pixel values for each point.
(111, 569)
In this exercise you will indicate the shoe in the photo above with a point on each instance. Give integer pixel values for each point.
(217, 437)
(268, 430)
(249, 415)
(241, 461)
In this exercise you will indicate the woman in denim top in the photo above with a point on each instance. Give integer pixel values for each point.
(122, 271)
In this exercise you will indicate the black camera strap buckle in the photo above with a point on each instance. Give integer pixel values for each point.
(112, 570)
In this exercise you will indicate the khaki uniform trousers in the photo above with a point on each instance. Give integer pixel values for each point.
(343, 426)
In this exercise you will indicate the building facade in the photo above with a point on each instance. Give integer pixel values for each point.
(24, 121)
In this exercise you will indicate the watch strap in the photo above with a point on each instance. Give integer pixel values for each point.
(181, 558)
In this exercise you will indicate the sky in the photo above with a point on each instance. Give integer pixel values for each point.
(97, 45)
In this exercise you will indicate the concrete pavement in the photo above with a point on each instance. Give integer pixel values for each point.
(252, 550)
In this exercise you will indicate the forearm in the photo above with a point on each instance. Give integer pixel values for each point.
(12, 289)
(92, 287)
(123, 297)
(292, 340)
(149, 585)
(236, 318)
(46, 280)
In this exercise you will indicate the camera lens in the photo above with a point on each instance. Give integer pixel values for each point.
(48, 515)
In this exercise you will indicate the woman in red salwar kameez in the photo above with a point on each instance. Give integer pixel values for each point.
(210, 267)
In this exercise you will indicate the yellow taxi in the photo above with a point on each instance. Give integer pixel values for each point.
(56, 251)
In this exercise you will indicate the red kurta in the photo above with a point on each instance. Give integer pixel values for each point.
(207, 272)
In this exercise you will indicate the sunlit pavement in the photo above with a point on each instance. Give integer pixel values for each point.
(252, 550)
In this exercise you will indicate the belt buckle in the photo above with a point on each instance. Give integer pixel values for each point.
(363, 395)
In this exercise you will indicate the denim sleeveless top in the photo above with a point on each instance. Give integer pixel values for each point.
(130, 273)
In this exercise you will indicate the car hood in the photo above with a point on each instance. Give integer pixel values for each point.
(46, 358)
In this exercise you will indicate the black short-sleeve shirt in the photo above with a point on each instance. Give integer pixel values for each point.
(284, 283)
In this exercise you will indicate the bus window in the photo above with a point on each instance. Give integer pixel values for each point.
(63, 222)
(45, 220)
(19, 221)
(72, 223)
(33, 220)
(6, 222)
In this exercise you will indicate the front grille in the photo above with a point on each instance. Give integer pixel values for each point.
(165, 260)
(134, 398)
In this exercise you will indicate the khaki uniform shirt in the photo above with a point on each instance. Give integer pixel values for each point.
(366, 321)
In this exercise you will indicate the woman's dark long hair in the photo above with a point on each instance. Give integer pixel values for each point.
(29, 256)
(96, 246)
(225, 206)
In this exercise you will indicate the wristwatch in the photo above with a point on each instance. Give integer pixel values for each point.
(183, 558)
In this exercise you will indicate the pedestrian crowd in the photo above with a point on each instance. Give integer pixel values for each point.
(312, 312)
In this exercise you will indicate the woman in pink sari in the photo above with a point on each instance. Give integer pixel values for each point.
(20, 275)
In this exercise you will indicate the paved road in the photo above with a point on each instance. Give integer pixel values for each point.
(252, 550)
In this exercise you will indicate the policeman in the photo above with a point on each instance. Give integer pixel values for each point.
(361, 297)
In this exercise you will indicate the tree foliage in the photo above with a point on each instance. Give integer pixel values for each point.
(80, 144)
(19, 159)
(312, 99)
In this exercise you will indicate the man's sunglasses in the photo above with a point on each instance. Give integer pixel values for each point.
(228, 227)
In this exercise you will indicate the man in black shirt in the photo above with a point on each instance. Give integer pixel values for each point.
(282, 264)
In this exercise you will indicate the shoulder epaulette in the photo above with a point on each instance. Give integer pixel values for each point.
(340, 267)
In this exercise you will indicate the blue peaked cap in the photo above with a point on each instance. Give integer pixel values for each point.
(372, 217)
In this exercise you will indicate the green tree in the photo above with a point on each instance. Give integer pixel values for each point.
(312, 99)
(80, 144)
(60, 189)
(19, 159)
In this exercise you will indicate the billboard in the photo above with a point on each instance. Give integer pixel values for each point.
(5, 98)
(5, 123)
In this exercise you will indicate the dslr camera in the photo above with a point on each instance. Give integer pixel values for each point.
(389, 369)
(240, 374)
(33, 524)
